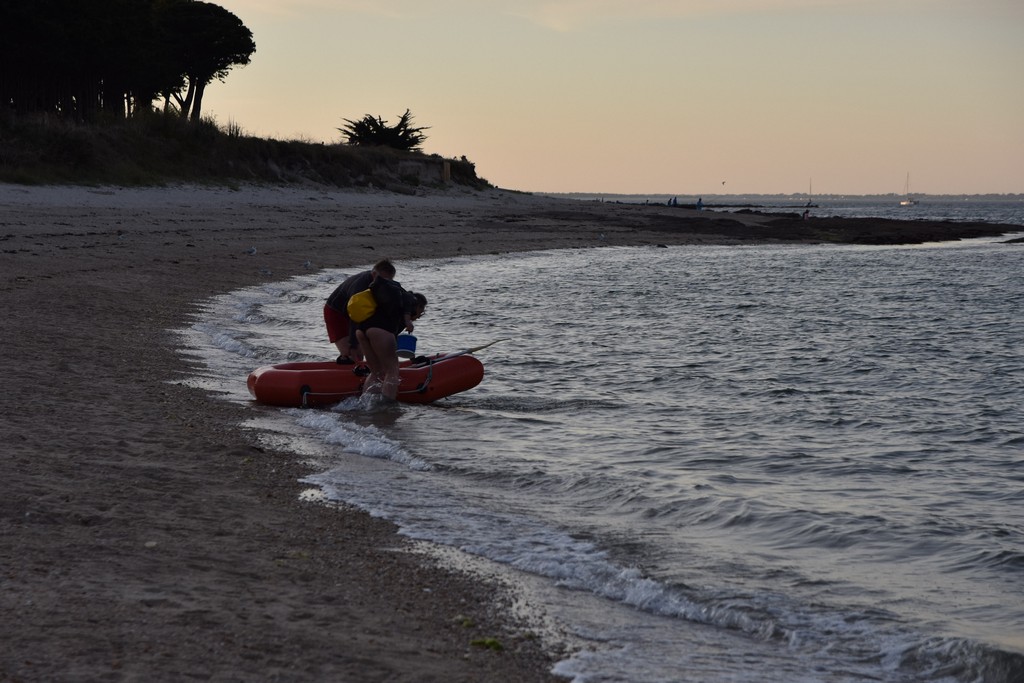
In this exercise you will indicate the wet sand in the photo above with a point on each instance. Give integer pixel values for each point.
(145, 536)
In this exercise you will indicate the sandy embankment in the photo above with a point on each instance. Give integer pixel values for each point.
(144, 536)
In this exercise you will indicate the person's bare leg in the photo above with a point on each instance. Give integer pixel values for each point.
(376, 377)
(382, 345)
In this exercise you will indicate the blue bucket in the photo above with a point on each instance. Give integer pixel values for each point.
(406, 346)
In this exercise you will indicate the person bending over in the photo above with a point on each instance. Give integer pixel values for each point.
(340, 330)
(377, 335)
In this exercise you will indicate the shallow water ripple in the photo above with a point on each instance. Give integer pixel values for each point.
(815, 449)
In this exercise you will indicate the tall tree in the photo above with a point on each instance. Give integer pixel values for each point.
(78, 58)
(206, 40)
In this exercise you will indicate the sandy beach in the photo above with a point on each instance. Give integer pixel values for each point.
(145, 536)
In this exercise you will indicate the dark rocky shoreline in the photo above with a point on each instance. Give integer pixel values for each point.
(784, 227)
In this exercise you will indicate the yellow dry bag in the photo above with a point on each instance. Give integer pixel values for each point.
(361, 306)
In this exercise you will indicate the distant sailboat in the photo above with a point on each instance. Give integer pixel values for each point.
(907, 199)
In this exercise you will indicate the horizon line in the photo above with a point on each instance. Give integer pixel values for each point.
(801, 195)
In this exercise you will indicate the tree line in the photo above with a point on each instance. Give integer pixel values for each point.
(82, 59)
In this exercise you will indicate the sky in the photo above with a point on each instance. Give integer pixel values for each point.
(678, 97)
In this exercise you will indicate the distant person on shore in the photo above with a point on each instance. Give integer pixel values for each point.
(377, 336)
(340, 330)
(700, 203)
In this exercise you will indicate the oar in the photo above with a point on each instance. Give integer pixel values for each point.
(472, 350)
(484, 346)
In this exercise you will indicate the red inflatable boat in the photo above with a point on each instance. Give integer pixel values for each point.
(424, 379)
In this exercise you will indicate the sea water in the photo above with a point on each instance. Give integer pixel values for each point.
(787, 463)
